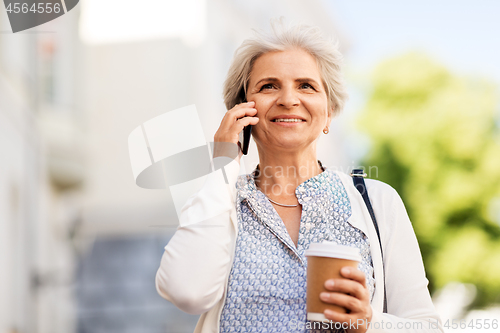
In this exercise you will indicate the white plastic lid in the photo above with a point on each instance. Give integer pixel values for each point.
(333, 250)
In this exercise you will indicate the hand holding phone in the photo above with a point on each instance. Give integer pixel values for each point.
(236, 126)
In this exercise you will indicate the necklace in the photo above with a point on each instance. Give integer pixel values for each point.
(283, 205)
(280, 204)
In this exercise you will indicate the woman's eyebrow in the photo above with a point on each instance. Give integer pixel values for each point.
(267, 79)
(306, 80)
(299, 80)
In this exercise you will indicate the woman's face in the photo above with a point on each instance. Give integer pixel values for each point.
(290, 99)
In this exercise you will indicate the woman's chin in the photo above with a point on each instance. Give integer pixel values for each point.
(285, 143)
(286, 146)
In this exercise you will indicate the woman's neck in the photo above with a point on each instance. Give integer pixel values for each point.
(280, 174)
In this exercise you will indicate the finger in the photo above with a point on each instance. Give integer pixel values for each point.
(350, 287)
(241, 110)
(231, 134)
(250, 104)
(346, 301)
(241, 123)
(232, 116)
(339, 317)
(353, 274)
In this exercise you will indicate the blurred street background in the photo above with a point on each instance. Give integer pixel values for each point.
(80, 243)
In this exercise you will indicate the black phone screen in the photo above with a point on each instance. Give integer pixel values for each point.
(247, 132)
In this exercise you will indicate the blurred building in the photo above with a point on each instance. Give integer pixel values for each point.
(79, 241)
(41, 174)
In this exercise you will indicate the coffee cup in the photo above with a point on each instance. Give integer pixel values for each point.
(324, 261)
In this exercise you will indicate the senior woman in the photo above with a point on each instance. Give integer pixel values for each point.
(238, 256)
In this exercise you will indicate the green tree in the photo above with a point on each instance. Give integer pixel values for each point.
(435, 140)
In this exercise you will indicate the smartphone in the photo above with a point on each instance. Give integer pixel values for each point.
(247, 132)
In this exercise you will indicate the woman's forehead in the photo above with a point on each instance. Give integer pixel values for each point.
(290, 63)
(296, 65)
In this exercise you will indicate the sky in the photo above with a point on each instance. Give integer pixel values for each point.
(463, 35)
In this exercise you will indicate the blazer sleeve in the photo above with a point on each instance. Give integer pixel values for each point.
(409, 305)
(197, 259)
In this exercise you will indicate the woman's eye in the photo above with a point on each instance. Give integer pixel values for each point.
(266, 86)
(306, 86)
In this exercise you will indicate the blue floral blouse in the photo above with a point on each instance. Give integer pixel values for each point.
(267, 284)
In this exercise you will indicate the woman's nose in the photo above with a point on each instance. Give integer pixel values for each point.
(288, 98)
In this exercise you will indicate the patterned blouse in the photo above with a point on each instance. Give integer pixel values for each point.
(266, 290)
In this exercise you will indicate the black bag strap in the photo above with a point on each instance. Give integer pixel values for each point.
(358, 177)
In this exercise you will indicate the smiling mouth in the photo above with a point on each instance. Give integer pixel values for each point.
(287, 120)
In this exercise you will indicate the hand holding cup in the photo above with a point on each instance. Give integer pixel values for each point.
(336, 288)
(351, 293)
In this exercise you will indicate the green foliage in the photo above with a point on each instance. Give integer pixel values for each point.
(434, 139)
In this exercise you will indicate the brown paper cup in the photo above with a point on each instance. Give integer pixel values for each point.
(324, 261)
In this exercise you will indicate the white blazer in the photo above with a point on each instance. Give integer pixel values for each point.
(195, 266)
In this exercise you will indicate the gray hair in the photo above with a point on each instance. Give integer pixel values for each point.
(308, 38)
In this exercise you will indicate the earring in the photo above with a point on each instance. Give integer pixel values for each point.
(326, 130)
